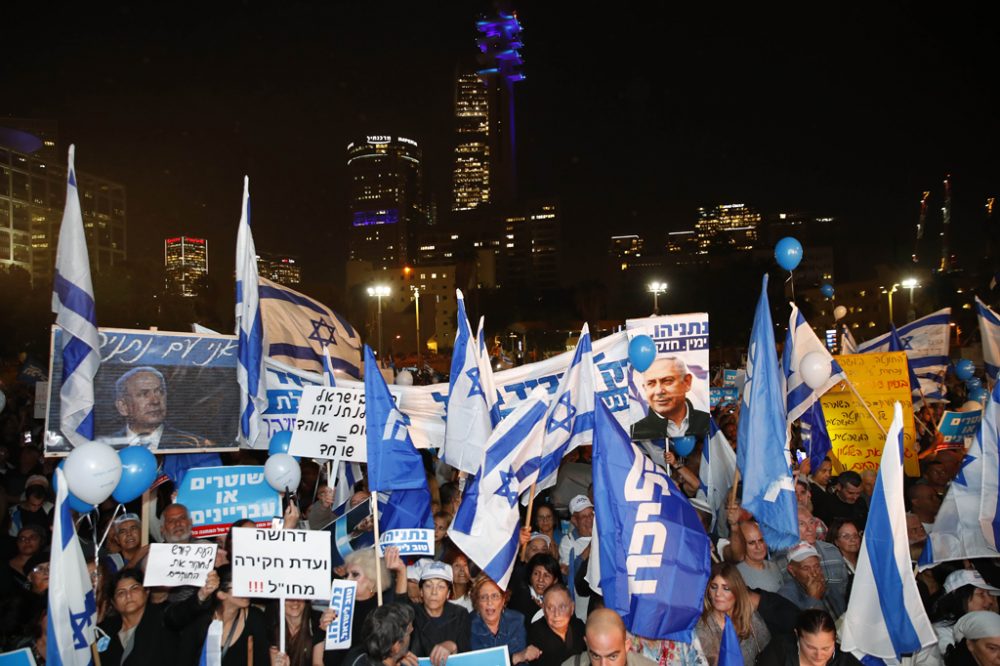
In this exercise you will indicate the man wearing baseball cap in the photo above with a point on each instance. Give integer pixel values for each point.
(126, 531)
(574, 549)
(807, 587)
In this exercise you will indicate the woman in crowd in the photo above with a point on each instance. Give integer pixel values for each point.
(727, 595)
(30, 541)
(546, 522)
(463, 573)
(977, 640)
(846, 536)
(559, 633)
(965, 591)
(541, 571)
(304, 642)
(440, 628)
(137, 633)
(493, 624)
(815, 644)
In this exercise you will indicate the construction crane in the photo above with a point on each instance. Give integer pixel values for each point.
(946, 225)
(921, 223)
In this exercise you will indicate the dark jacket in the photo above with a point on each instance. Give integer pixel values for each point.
(192, 618)
(780, 653)
(153, 643)
(556, 650)
(453, 625)
(654, 427)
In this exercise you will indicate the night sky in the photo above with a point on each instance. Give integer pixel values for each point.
(632, 114)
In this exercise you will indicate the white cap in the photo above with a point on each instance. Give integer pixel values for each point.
(414, 570)
(963, 577)
(436, 570)
(579, 503)
(801, 551)
(543, 537)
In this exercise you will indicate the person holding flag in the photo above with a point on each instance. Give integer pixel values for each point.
(249, 330)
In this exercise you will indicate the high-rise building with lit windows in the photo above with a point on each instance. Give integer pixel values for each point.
(727, 226)
(386, 204)
(185, 260)
(281, 268)
(528, 251)
(471, 173)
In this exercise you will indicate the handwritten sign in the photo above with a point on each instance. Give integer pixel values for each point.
(219, 496)
(496, 656)
(271, 564)
(338, 634)
(173, 564)
(331, 424)
(881, 379)
(22, 657)
(722, 395)
(956, 426)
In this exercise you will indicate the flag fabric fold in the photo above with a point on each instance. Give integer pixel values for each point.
(486, 374)
(717, 471)
(989, 439)
(885, 617)
(799, 341)
(487, 525)
(72, 614)
(76, 315)
(815, 437)
(249, 330)
(916, 388)
(762, 451)
(211, 650)
(989, 329)
(646, 536)
(729, 648)
(848, 345)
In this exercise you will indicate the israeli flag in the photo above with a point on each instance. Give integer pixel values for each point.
(395, 466)
(762, 435)
(989, 329)
(488, 523)
(348, 474)
(72, 605)
(569, 422)
(925, 342)
(249, 329)
(730, 653)
(486, 374)
(717, 470)
(211, 650)
(885, 617)
(989, 434)
(916, 390)
(328, 377)
(73, 304)
(815, 437)
(848, 345)
(799, 341)
(469, 421)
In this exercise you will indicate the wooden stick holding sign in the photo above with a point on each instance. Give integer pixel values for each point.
(281, 623)
(378, 551)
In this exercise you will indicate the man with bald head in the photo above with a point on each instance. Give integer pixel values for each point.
(607, 643)
(666, 383)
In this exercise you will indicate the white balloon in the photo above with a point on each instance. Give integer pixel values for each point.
(404, 378)
(970, 406)
(282, 472)
(93, 470)
(839, 312)
(815, 369)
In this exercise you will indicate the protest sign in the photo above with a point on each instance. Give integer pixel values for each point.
(217, 497)
(956, 426)
(675, 388)
(22, 657)
(275, 564)
(173, 564)
(413, 541)
(338, 634)
(722, 395)
(170, 392)
(351, 530)
(330, 423)
(495, 656)
(729, 378)
(857, 440)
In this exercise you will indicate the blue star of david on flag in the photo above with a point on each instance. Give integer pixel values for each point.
(477, 388)
(323, 332)
(566, 402)
(960, 477)
(505, 490)
(906, 342)
(80, 621)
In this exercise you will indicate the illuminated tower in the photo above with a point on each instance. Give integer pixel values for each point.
(471, 174)
(186, 262)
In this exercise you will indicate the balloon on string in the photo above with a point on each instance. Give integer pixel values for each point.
(280, 442)
(138, 473)
(827, 290)
(980, 395)
(964, 369)
(972, 384)
(404, 378)
(839, 312)
(788, 253)
(641, 352)
(815, 369)
(92, 471)
(683, 446)
(75, 502)
(282, 472)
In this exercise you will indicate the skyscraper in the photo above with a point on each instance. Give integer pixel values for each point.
(386, 203)
(471, 174)
(186, 262)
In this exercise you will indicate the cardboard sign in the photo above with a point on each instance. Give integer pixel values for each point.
(496, 656)
(22, 657)
(331, 424)
(217, 497)
(881, 379)
(956, 426)
(722, 395)
(275, 564)
(338, 634)
(173, 564)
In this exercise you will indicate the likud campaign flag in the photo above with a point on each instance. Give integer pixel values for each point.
(762, 449)
(989, 331)
(395, 465)
(488, 524)
(249, 330)
(799, 341)
(647, 536)
(925, 342)
(989, 436)
(468, 421)
(717, 470)
(298, 328)
(885, 617)
(72, 615)
(729, 648)
(73, 304)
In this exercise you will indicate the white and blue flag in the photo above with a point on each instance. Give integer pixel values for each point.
(488, 523)
(469, 421)
(916, 390)
(249, 329)
(486, 373)
(329, 379)
(73, 303)
(762, 435)
(211, 649)
(989, 330)
(72, 615)
(717, 471)
(885, 617)
(848, 345)
(989, 438)
(925, 342)
(799, 341)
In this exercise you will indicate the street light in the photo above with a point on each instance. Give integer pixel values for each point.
(656, 288)
(892, 291)
(378, 291)
(911, 284)
(416, 299)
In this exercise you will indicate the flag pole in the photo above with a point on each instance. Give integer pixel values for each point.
(281, 629)
(378, 557)
(527, 516)
(865, 405)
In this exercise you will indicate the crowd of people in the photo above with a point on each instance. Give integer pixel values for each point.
(783, 605)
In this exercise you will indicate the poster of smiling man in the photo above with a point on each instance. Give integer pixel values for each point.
(169, 392)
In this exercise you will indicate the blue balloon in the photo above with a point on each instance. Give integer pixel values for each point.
(980, 395)
(75, 502)
(279, 442)
(641, 352)
(788, 252)
(973, 384)
(138, 473)
(683, 446)
(964, 369)
(827, 290)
